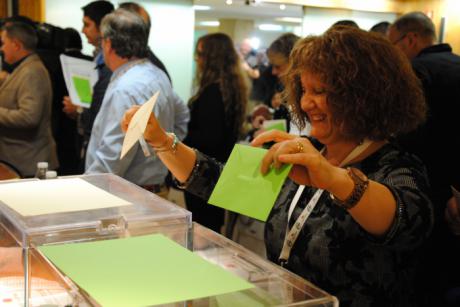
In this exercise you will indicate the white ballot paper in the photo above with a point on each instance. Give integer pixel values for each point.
(80, 76)
(137, 125)
(38, 197)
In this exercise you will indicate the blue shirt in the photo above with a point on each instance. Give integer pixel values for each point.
(133, 84)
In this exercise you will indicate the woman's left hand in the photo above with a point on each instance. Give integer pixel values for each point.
(310, 166)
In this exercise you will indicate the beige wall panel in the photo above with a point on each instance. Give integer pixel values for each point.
(450, 9)
(3, 8)
(34, 9)
(237, 29)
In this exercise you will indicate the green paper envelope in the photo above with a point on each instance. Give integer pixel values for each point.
(243, 189)
(83, 88)
(277, 124)
(141, 271)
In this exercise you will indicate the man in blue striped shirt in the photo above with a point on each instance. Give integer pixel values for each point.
(134, 80)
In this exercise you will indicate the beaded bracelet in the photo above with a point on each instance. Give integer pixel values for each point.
(165, 148)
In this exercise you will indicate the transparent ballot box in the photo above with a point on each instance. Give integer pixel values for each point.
(67, 210)
(47, 286)
(271, 284)
(274, 286)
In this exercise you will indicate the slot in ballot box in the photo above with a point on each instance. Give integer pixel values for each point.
(72, 209)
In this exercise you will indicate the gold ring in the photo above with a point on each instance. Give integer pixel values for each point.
(299, 147)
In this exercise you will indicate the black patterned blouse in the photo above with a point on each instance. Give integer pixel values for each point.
(332, 250)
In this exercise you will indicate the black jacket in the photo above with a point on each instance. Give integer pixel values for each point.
(437, 143)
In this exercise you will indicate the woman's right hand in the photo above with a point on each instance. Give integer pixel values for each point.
(310, 167)
(153, 134)
(276, 136)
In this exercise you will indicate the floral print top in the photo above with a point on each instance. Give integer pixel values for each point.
(332, 250)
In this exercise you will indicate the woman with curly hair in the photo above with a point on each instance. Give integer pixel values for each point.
(217, 112)
(354, 213)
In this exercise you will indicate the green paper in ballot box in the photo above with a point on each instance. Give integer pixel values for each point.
(83, 88)
(243, 189)
(141, 271)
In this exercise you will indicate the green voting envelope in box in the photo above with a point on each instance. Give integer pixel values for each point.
(243, 189)
(141, 271)
(83, 88)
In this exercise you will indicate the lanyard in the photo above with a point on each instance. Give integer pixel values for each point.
(293, 233)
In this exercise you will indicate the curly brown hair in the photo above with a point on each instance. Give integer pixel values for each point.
(371, 88)
(221, 64)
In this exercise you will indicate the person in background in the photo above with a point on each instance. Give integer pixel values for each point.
(49, 47)
(5, 67)
(249, 60)
(278, 55)
(381, 27)
(217, 112)
(264, 87)
(133, 82)
(73, 45)
(436, 143)
(346, 23)
(361, 241)
(93, 14)
(92, 17)
(71, 131)
(138, 9)
(452, 215)
(25, 103)
(259, 114)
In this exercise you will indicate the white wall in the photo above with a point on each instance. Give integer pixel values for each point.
(68, 14)
(171, 36)
(317, 20)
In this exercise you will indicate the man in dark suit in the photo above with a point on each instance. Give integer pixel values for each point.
(437, 143)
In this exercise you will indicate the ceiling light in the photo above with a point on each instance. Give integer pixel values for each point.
(229, 2)
(201, 7)
(270, 27)
(289, 19)
(282, 6)
(211, 23)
